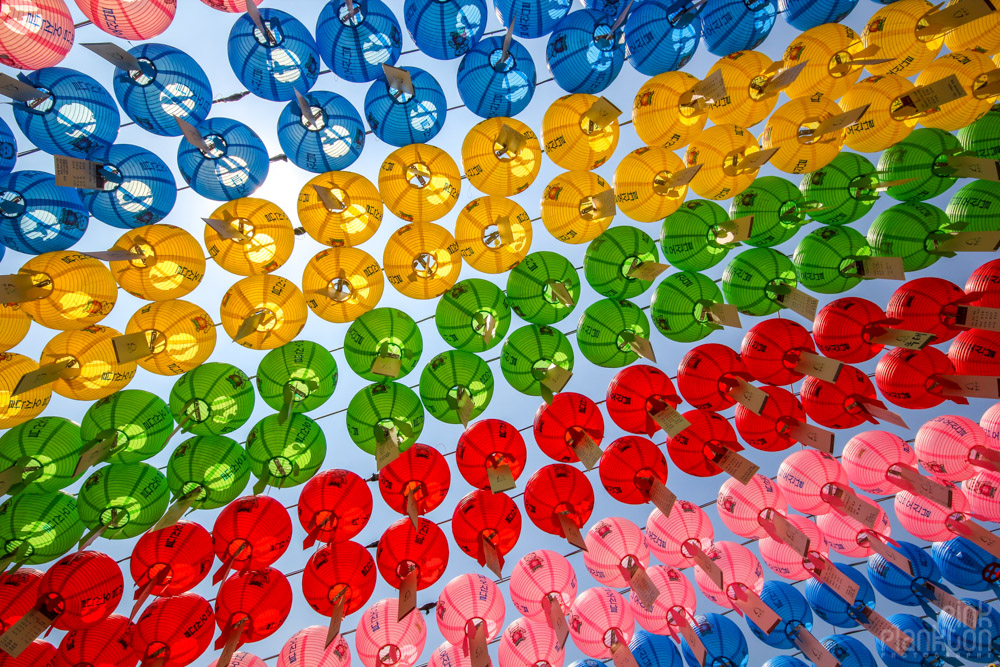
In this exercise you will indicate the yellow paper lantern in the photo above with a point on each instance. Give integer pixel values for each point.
(721, 149)
(18, 409)
(642, 184)
(14, 325)
(893, 29)
(972, 69)
(419, 183)
(182, 335)
(78, 290)
(341, 284)
(275, 303)
(573, 139)
(801, 153)
(981, 35)
(568, 208)
(355, 214)
(828, 51)
(422, 260)
(172, 262)
(91, 352)
(269, 237)
(492, 165)
(658, 115)
(881, 126)
(482, 242)
(745, 74)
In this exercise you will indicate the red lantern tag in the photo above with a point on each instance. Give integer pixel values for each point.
(882, 414)
(492, 558)
(336, 617)
(751, 397)
(670, 420)
(500, 477)
(978, 317)
(662, 497)
(819, 367)
(812, 436)
(229, 640)
(736, 466)
(587, 450)
(557, 619)
(227, 564)
(783, 530)
(30, 626)
(571, 531)
(408, 594)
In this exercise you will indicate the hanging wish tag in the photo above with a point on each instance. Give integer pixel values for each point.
(751, 397)
(783, 79)
(978, 317)
(671, 421)
(74, 172)
(115, 55)
(46, 374)
(15, 475)
(19, 288)
(882, 414)
(641, 584)
(933, 95)
(838, 582)
(133, 347)
(557, 619)
(329, 199)
(881, 268)
(587, 450)
(970, 166)
(641, 346)
(192, 135)
(736, 466)
(226, 230)
(812, 436)
(491, 556)
(975, 533)
(407, 594)
(734, 231)
(305, 109)
(911, 340)
(621, 655)
(249, 325)
(813, 649)
(724, 314)
(757, 610)
(398, 79)
(504, 230)
(554, 380)
(114, 255)
(662, 497)
(500, 478)
(890, 635)
(26, 630)
(479, 655)
(783, 530)
(258, 22)
(571, 531)
(412, 510)
(561, 293)
(756, 160)
(985, 241)
(465, 407)
(487, 325)
(96, 453)
(885, 185)
(838, 122)
(177, 509)
(799, 302)
(386, 448)
(336, 616)
(852, 505)
(229, 640)
(602, 113)
(18, 90)
(965, 614)
(972, 386)
(703, 562)
(678, 179)
(600, 205)
(819, 367)
(511, 140)
(955, 15)
(647, 271)
(691, 637)
(889, 554)
(712, 88)
(386, 366)
(925, 487)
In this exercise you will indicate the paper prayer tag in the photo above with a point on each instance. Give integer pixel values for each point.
(965, 614)
(734, 231)
(978, 317)
(398, 79)
(671, 421)
(386, 366)
(955, 15)
(115, 55)
(621, 654)
(783, 530)
(757, 611)
(408, 594)
(74, 172)
(587, 451)
(925, 487)
(336, 617)
(329, 199)
(512, 140)
(838, 122)
(712, 88)
(386, 448)
(571, 531)
(933, 95)
(133, 347)
(884, 268)
(504, 230)
(845, 587)
(677, 180)
(885, 415)
(26, 630)
(500, 478)
(491, 556)
(724, 314)
(557, 619)
(226, 230)
(822, 368)
(971, 166)
(751, 397)
(813, 649)
(15, 474)
(478, 653)
(602, 113)
(984, 241)
(177, 509)
(46, 374)
(599, 205)
(889, 554)
(412, 510)
(707, 565)
(561, 293)
(555, 378)
(891, 635)
(736, 466)
(114, 255)
(757, 159)
(20, 287)
(249, 325)
(783, 79)
(662, 497)
(18, 90)
(96, 453)
(813, 436)
(192, 135)
(641, 346)
(259, 23)
(641, 584)
(852, 505)
(799, 302)
(647, 271)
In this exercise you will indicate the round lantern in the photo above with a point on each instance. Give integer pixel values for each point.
(462, 22)
(912, 378)
(140, 423)
(754, 280)
(981, 492)
(285, 454)
(577, 141)
(339, 208)
(974, 352)
(615, 546)
(109, 642)
(723, 641)
(804, 477)
(250, 534)
(123, 499)
(212, 399)
(838, 404)
(899, 586)
(14, 325)
(636, 394)
(792, 126)
(558, 493)
(720, 149)
(91, 352)
(744, 74)
(598, 619)
(978, 136)
(692, 238)
(658, 113)
(169, 263)
(741, 573)
(926, 519)
(383, 639)
(832, 608)
(675, 605)
(301, 375)
(560, 426)
(489, 445)
(927, 647)
(181, 336)
(39, 527)
(972, 70)
(422, 260)
(777, 207)
(696, 449)
(492, 84)
(948, 447)
(923, 157)
(342, 283)
(235, 165)
(47, 449)
(129, 20)
(569, 210)
(469, 602)
(456, 386)
(707, 373)
(826, 259)
(404, 117)
(138, 188)
(380, 407)
(253, 604)
(473, 316)
(894, 30)
(974, 644)
(529, 353)
(680, 306)
(175, 630)
(543, 288)
(309, 646)
(772, 351)
(18, 592)
(83, 588)
(356, 44)
(658, 40)
(39, 216)
(526, 642)
(909, 231)
(776, 427)
(340, 575)
(481, 228)
(671, 535)
(485, 522)
(214, 468)
(784, 560)
(419, 476)
(275, 62)
(844, 329)
(849, 537)
(276, 306)
(642, 184)
(540, 579)
(172, 560)
(966, 564)
(490, 160)
(583, 53)
(383, 334)
(729, 26)
(610, 329)
(869, 458)
(266, 242)
(334, 506)
(808, 16)
(629, 468)
(884, 124)
(845, 189)
(742, 505)
(25, 46)
(407, 550)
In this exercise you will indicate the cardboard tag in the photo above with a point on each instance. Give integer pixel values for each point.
(74, 172)
(133, 347)
(600, 205)
(491, 556)
(19, 288)
(885, 415)
(837, 123)
(386, 366)
(305, 109)
(336, 617)
(751, 397)
(734, 231)
(970, 166)
(571, 531)
(507, 38)
(885, 185)
(951, 17)
(91, 536)
(500, 477)
(479, 655)
(640, 583)
(115, 55)
(969, 242)
(557, 620)
(329, 199)
(662, 497)
(96, 453)
(712, 88)
(602, 113)
(465, 407)
(254, 14)
(885, 268)
(250, 325)
(587, 450)
(707, 565)
(724, 314)
(783, 530)
(315, 530)
(226, 230)
(27, 629)
(838, 582)
(114, 255)
(931, 96)
(926, 487)
(892, 636)
(691, 637)
(972, 386)
(18, 90)
(561, 294)
(232, 636)
(813, 436)
(227, 564)
(813, 649)
(14, 475)
(504, 230)
(641, 346)
(889, 554)
(799, 302)
(671, 421)
(510, 139)
(678, 179)
(736, 466)
(408, 594)
(850, 504)
(756, 160)
(412, 510)
(192, 135)
(488, 324)
(822, 368)
(46, 374)
(177, 509)
(978, 317)
(783, 79)
(261, 484)
(554, 380)
(757, 610)
(973, 532)
(911, 340)
(965, 614)
(647, 271)
(621, 655)
(398, 79)
(386, 449)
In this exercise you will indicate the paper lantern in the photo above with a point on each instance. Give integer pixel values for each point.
(478, 232)
(845, 189)
(334, 506)
(174, 630)
(894, 31)
(965, 564)
(286, 454)
(572, 138)
(404, 549)
(527, 642)
(300, 374)
(250, 534)
(786, 561)
(212, 399)
(41, 217)
(608, 326)
(14, 325)
(971, 68)
(172, 560)
(720, 149)
(492, 85)
(380, 407)
(974, 644)
(235, 166)
(912, 378)
(138, 188)
(91, 352)
(659, 116)
(741, 572)
(448, 29)
(533, 292)
(774, 429)
(707, 373)
(832, 608)
(744, 74)
(882, 127)
(691, 237)
(568, 208)
(948, 445)
(218, 465)
(469, 601)
(18, 592)
(473, 315)
(979, 281)
(339, 574)
(903, 587)
(838, 404)
(401, 117)
(772, 350)
(922, 156)
(169, 84)
(722, 639)
(642, 188)
(825, 259)
(583, 53)
(803, 153)
(342, 283)
(657, 42)
(453, 380)
(977, 35)
(869, 456)
(489, 444)
(740, 505)
(927, 644)
(555, 493)
(675, 604)
(598, 619)
(561, 425)
(310, 645)
(612, 544)
(669, 535)
(981, 492)
(485, 521)
(533, 19)
(275, 62)
(492, 165)
(422, 260)
(267, 237)
(126, 499)
(355, 46)
(729, 26)
(139, 421)
(529, 352)
(51, 446)
(169, 262)
(542, 575)
(909, 231)
(106, 643)
(420, 475)
(181, 336)
(629, 466)
(129, 20)
(43, 526)
(84, 587)
(356, 211)
(24, 46)
(254, 604)
(383, 639)
(844, 328)
(777, 208)
(635, 394)
(386, 334)
(695, 449)
(274, 303)
(849, 537)
(974, 352)
(977, 137)
(331, 139)
(804, 476)
(754, 279)
(967, 207)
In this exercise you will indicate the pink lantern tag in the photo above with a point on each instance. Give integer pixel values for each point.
(705, 564)
(556, 618)
(812, 436)
(755, 609)
(967, 615)
(910, 479)
(640, 583)
(849, 503)
(820, 567)
(690, 636)
(475, 636)
(876, 544)
(783, 530)
(620, 652)
(973, 532)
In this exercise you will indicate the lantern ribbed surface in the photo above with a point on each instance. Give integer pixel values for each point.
(399, 118)
(273, 66)
(595, 612)
(212, 399)
(403, 547)
(127, 497)
(47, 523)
(259, 524)
(309, 645)
(380, 407)
(139, 188)
(355, 47)
(41, 216)
(139, 421)
(175, 559)
(23, 46)
(171, 262)
(530, 287)
(483, 517)
(489, 443)
(473, 316)
(469, 598)
(235, 166)
(668, 534)
(382, 333)
(286, 454)
(340, 284)
(335, 505)
(343, 569)
(277, 301)
(181, 334)
(263, 596)
(491, 85)
(88, 585)
(130, 20)
(628, 466)
(380, 634)
(51, 443)
(219, 465)
(301, 371)
(538, 574)
(740, 504)
(169, 629)
(495, 168)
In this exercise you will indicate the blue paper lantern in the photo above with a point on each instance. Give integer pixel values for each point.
(611, 8)
(899, 586)
(651, 650)
(139, 187)
(445, 29)
(806, 14)
(38, 215)
(236, 165)
(273, 66)
(491, 86)
(330, 141)
(723, 640)
(170, 85)
(356, 46)
(398, 118)
(658, 40)
(832, 608)
(579, 56)
(788, 603)
(927, 648)
(981, 644)
(532, 18)
(849, 651)
(966, 564)
(8, 148)
(736, 25)
(77, 118)
(784, 661)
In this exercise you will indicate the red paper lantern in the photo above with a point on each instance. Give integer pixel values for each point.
(983, 285)
(912, 378)
(110, 643)
(252, 531)
(176, 558)
(83, 588)
(37, 654)
(635, 393)
(404, 548)
(694, 449)
(130, 19)
(340, 572)
(176, 630)
(334, 506)
(928, 305)
(770, 431)
(707, 373)
(260, 599)
(844, 328)
(838, 404)
(803, 476)
(771, 349)
(420, 472)
(628, 467)
(558, 490)
(18, 592)
(976, 352)
(482, 518)
(489, 443)
(561, 425)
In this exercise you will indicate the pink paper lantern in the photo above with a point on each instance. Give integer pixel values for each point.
(676, 594)
(785, 561)
(35, 34)
(382, 641)
(739, 504)
(450, 655)
(307, 648)
(944, 446)
(868, 456)
(990, 423)
(130, 19)
(925, 519)
(802, 476)
(982, 490)
(241, 659)
(468, 600)
(540, 574)
(740, 568)
(527, 643)
(848, 536)
(598, 619)
(611, 543)
(667, 535)
(231, 6)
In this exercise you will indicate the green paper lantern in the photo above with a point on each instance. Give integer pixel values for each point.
(679, 308)
(975, 207)
(610, 257)
(529, 352)
(466, 310)
(137, 491)
(755, 278)
(776, 206)
(982, 137)
(46, 524)
(825, 259)
(383, 333)
(380, 407)
(451, 378)
(301, 371)
(908, 231)
(529, 288)
(846, 189)
(605, 330)
(139, 420)
(688, 236)
(219, 465)
(922, 156)
(213, 399)
(286, 454)
(49, 449)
